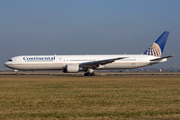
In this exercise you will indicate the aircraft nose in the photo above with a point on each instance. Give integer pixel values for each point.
(6, 64)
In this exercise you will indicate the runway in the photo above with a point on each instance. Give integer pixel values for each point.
(98, 73)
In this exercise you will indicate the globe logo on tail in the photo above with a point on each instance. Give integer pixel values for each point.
(154, 50)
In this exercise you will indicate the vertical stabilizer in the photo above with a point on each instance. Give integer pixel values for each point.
(157, 48)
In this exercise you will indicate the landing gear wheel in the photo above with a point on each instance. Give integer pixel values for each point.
(16, 74)
(92, 74)
(85, 74)
(89, 74)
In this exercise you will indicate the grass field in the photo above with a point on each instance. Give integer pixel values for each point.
(125, 97)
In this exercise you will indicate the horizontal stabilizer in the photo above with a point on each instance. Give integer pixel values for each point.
(162, 58)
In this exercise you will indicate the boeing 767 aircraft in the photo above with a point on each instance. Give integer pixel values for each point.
(87, 63)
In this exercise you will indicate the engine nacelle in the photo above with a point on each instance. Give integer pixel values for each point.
(73, 68)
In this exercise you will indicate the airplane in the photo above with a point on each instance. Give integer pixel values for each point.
(89, 63)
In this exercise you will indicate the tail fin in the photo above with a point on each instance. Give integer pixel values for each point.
(156, 49)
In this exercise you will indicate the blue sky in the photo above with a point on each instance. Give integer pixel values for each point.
(31, 27)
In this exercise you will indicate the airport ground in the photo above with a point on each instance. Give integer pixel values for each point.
(97, 72)
(105, 96)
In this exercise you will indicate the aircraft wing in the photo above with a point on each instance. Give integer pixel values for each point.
(96, 64)
(162, 58)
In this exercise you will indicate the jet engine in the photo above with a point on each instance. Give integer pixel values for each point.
(73, 68)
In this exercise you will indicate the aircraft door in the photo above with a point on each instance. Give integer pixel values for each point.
(60, 60)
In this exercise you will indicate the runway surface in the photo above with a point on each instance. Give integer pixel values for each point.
(98, 73)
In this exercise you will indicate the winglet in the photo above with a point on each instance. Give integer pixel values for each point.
(157, 48)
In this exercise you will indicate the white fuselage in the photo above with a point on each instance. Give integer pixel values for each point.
(59, 62)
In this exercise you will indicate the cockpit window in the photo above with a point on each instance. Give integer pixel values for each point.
(10, 60)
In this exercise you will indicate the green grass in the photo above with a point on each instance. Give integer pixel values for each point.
(139, 97)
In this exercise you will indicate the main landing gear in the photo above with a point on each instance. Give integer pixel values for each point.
(89, 74)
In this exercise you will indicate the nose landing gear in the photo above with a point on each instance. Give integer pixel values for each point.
(16, 72)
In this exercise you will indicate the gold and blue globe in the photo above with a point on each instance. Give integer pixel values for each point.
(154, 50)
